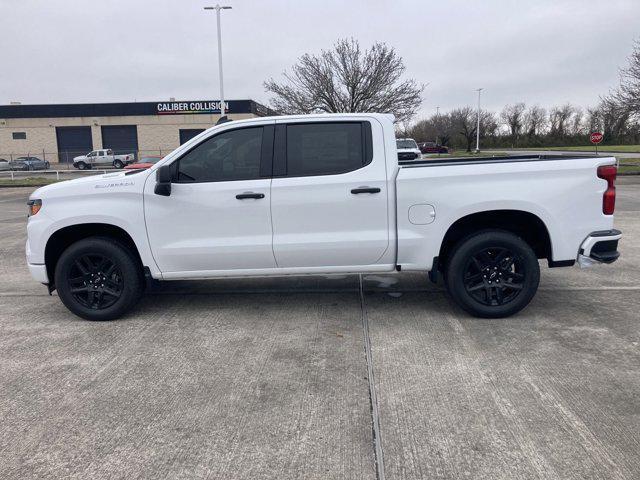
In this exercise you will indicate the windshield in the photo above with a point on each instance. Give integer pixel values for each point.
(408, 143)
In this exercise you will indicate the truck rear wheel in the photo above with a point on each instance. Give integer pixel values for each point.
(492, 274)
(98, 278)
(118, 164)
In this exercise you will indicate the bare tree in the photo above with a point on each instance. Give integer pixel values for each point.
(488, 124)
(535, 121)
(615, 120)
(576, 126)
(438, 128)
(593, 121)
(465, 124)
(347, 79)
(627, 95)
(513, 117)
(559, 118)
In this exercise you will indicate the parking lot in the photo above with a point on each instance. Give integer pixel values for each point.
(251, 379)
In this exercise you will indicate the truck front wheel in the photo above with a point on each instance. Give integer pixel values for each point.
(81, 166)
(492, 274)
(118, 164)
(98, 278)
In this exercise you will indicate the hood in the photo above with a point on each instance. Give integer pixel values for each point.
(92, 183)
(408, 150)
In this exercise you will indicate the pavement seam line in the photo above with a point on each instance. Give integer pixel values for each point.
(373, 398)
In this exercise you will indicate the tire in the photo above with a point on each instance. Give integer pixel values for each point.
(81, 166)
(98, 278)
(118, 164)
(492, 274)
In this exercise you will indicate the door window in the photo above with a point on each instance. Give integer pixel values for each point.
(101, 154)
(231, 155)
(326, 148)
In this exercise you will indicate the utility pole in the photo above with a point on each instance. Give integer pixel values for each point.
(217, 8)
(478, 125)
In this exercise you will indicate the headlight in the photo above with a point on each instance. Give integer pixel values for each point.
(34, 207)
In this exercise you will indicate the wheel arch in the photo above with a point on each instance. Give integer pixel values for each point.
(526, 225)
(61, 239)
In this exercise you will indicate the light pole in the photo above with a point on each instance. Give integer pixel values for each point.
(478, 125)
(217, 8)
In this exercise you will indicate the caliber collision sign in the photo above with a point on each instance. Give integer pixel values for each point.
(595, 137)
(182, 108)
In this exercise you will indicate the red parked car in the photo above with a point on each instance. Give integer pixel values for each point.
(144, 163)
(432, 147)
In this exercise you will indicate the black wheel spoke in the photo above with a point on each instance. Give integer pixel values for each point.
(476, 287)
(504, 253)
(110, 292)
(78, 263)
(499, 295)
(109, 270)
(477, 263)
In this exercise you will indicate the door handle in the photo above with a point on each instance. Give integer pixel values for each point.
(242, 196)
(356, 191)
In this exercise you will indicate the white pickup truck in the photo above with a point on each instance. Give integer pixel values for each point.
(102, 158)
(320, 194)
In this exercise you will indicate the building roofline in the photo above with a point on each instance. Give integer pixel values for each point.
(115, 109)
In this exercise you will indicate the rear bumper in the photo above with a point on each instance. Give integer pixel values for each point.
(599, 247)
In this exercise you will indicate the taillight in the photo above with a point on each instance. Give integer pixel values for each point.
(608, 172)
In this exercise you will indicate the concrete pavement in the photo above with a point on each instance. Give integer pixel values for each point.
(268, 378)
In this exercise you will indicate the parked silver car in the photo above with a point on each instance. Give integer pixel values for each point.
(4, 165)
(28, 163)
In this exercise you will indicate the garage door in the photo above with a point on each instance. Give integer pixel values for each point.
(120, 138)
(73, 141)
(187, 134)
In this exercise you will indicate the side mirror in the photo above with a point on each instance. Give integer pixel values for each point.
(163, 181)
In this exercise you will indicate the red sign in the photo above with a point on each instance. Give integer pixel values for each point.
(595, 137)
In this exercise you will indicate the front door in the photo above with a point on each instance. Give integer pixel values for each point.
(329, 195)
(217, 219)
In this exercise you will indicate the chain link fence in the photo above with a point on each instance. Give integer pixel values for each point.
(44, 160)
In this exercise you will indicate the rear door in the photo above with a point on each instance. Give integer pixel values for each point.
(101, 159)
(329, 194)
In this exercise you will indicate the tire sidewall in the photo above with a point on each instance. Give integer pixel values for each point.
(125, 261)
(455, 271)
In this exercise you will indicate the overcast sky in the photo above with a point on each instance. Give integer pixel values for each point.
(538, 51)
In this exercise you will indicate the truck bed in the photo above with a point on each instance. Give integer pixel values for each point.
(563, 192)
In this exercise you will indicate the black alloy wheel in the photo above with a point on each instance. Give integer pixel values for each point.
(95, 281)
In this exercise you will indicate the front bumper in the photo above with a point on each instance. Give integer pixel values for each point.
(599, 247)
(39, 273)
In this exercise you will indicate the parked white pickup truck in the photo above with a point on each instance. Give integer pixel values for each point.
(320, 194)
(408, 149)
(102, 158)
